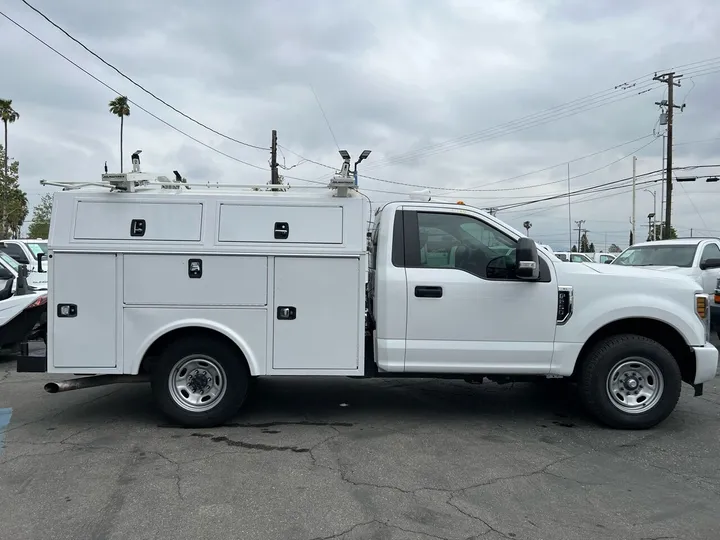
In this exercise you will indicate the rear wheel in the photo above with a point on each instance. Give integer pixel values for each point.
(630, 382)
(200, 383)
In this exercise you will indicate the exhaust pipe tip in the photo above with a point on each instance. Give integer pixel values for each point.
(52, 388)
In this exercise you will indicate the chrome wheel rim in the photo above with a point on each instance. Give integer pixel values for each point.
(635, 385)
(197, 383)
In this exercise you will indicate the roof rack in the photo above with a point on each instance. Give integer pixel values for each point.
(136, 180)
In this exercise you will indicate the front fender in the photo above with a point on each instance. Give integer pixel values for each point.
(242, 344)
(590, 316)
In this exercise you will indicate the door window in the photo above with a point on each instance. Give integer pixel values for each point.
(711, 251)
(462, 242)
(16, 252)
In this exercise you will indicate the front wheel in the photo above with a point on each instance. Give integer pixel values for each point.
(630, 382)
(200, 383)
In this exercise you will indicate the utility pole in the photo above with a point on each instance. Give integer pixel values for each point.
(633, 196)
(579, 230)
(662, 189)
(569, 212)
(669, 79)
(274, 177)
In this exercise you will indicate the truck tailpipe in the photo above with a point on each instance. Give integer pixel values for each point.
(88, 382)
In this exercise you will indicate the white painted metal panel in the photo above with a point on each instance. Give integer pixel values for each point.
(88, 339)
(246, 327)
(164, 221)
(325, 334)
(226, 280)
(256, 223)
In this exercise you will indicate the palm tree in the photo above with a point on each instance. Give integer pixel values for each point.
(8, 115)
(119, 107)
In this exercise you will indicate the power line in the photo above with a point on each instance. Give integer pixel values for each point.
(566, 162)
(131, 101)
(563, 163)
(604, 97)
(327, 122)
(141, 87)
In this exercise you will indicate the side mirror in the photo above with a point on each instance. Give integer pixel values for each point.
(710, 263)
(527, 266)
(609, 261)
(39, 261)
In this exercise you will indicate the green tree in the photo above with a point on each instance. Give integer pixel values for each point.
(40, 224)
(592, 248)
(666, 234)
(13, 200)
(120, 107)
(573, 249)
(584, 244)
(8, 116)
(614, 248)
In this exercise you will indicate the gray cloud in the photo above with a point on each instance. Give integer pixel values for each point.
(391, 76)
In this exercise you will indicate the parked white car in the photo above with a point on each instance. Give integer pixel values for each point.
(572, 256)
(10, 268)
(602, 258)
(25, 251)
(698, 258)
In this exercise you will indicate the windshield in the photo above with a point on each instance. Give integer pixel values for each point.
(37, 247)
(9, 261)
(664, 255)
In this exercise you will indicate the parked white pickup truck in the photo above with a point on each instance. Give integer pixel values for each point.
(206, 289)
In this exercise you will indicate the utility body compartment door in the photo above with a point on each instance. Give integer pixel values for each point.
(82, 311)
(139, 221)
(317, 313)
(281, 224)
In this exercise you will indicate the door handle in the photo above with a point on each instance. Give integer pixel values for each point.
(428, 292)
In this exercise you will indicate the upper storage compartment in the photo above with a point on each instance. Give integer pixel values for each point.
(281, 224)
(123, 220)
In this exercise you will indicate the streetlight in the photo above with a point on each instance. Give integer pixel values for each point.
(346, 161)
(653, 193)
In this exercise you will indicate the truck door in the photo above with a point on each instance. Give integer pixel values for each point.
(466, 310)
(710, 275)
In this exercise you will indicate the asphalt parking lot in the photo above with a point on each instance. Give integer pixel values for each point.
(352, 459)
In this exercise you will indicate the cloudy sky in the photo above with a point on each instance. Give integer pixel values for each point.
(493, 95)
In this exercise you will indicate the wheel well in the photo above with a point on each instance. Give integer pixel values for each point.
(653, 329)
(193, 332)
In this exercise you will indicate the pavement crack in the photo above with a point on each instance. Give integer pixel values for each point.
(489, 527)
(346, 531)
(251, 446)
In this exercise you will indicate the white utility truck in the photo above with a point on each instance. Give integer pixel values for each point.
(204, 288)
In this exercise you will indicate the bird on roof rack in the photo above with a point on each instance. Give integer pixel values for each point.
(136, 160)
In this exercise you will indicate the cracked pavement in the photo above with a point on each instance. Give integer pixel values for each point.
(401, 459)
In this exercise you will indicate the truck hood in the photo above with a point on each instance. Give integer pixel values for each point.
(641, 277)
(676, 269)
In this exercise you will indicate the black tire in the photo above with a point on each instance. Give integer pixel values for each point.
(214, 353)
(603, 360)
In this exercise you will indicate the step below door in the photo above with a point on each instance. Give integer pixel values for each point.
(317, 313)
